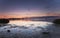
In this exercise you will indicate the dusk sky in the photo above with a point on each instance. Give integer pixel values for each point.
(29, 8)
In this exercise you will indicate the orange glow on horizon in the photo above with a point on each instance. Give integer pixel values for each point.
(27, 15)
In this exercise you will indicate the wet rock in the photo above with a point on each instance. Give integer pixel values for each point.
(8, 30)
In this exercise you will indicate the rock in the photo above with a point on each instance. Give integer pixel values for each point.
(4, 21)
(57, 21)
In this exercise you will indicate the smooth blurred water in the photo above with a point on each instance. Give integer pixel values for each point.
(29, 29)
(30, 23)
(33, 24)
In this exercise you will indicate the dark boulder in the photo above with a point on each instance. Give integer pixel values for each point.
(4, 21)
(8, 30)
(56, 21)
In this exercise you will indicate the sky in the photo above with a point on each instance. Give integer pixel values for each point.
(29, 8)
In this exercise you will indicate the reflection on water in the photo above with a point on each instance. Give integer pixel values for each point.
(29, 23)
